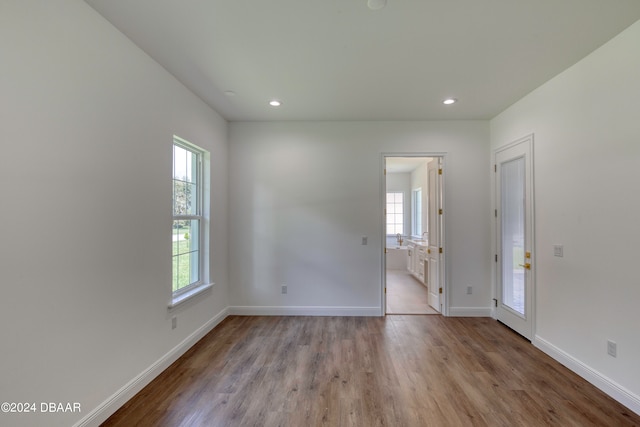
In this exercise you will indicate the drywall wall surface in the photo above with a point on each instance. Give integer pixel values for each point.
(303, 194)
(87, 122)
(587, 156)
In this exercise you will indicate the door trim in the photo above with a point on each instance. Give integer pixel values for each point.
(529, 140)
(443, 225)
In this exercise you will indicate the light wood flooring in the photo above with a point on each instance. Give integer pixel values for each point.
(405, 295)
(375, 371)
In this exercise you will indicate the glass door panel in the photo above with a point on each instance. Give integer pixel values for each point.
(513, 234)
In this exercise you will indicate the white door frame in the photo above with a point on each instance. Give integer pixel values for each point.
(529, 140)
(444, 297)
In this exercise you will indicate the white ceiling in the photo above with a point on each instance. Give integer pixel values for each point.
(339, 60)
(404, 164)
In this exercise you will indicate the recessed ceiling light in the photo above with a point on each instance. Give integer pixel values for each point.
(376, 4)
(449, 101)
(275, 103)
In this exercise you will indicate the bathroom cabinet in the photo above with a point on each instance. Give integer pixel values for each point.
(417, 259)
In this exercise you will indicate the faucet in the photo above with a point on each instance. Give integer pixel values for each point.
(399, 239)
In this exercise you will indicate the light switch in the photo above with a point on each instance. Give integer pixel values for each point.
(364, 240)
(558, 250)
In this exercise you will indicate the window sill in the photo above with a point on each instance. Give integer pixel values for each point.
(190, 294)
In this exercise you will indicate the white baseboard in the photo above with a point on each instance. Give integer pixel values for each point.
(119, 398)
(469, 311)
(304, 311)
(607, 385)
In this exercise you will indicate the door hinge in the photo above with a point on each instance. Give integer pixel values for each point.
(496, 257)
(496, 212)
(385, 289)
(440, 290)
(385, 171)
(440, 171)
(440, 211)
(495, 168)
(440, 250)
(495, 302)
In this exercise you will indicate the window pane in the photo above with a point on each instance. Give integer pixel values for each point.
(191, 199)
(193, 235)
(192, 167)
(186, 253)
(183, 271)
(179, 163)
(180, 198)
(185, 198)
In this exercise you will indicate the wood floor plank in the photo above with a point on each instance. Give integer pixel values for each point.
(356, 371)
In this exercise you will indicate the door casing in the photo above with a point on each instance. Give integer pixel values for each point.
(444, 304)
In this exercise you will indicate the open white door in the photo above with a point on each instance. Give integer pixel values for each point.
(514, 212)
(434, 220)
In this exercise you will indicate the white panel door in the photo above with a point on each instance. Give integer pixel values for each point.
(434, 255)
(514, 208)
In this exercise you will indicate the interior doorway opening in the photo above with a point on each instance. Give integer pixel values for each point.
(413, 212)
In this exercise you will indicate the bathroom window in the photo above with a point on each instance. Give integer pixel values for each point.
(395, 212)
(189, 214)
(416, 205)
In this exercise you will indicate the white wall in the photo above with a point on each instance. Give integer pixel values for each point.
(86, 123)
(303, 194)
(587, 172)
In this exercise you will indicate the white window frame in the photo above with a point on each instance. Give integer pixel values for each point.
(201, 215)
(389, 213)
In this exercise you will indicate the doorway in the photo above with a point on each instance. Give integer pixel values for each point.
(515, 288)
(413, 224)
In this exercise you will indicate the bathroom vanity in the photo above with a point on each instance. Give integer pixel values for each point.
(417, 259)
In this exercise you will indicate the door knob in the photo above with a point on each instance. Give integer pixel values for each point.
(526, 265)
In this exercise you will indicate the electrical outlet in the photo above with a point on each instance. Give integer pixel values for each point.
(174, 322)
(469, 290)
(284, 289)
(612, 348)
(364, 240)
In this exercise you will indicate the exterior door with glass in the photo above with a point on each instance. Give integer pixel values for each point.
(515, 258)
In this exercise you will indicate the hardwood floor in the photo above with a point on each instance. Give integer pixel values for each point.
(405, 295)
(357, 371)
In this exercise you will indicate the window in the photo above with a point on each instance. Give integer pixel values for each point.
(188, 218)
(395, 213)
(416, 205)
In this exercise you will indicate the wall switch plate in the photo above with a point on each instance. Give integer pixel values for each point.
(174, 322)
(364, 240)
(284, 289)
(612, 348)
(469, 290)
(558, 250)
